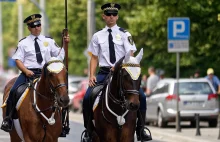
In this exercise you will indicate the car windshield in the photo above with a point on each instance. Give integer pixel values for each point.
(189, 88)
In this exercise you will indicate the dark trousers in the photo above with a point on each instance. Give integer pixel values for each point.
(22, 78)
(87, 106)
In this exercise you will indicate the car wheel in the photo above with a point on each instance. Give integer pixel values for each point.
(213, 123)
(160, 120)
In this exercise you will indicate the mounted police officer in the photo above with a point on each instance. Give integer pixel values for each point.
(107, 46)
(30, 56)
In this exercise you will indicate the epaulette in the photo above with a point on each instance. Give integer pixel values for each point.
(22, 39)
(48, 37)
(123, 30)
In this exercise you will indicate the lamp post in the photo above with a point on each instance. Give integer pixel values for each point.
(219, 98)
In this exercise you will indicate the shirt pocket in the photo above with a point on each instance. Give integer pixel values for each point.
(103, 44)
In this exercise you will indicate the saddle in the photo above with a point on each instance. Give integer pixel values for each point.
(95, 91)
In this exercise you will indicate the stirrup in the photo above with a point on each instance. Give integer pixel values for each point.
(85, 137)
(140, 135)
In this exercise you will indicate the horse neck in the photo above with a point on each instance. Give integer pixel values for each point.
(114, 90)
(114, 87)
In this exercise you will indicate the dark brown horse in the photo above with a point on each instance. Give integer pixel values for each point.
(40, 113)
(116, 114)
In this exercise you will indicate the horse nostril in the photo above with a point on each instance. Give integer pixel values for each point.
(133, 106)
(64, 100)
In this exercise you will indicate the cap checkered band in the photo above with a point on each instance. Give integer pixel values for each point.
(110, 8)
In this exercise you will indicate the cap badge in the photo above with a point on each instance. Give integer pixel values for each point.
(45, 44)
(33, 17)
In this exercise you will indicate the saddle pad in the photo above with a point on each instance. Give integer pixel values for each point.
(96, 103)
(21, 99)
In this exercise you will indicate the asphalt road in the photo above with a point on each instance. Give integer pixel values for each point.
(76, 128)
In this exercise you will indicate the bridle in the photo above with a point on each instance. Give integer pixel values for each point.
(54, 93)
(122, 91)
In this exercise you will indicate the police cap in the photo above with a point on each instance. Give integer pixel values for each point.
(111, 8)
(33, 20)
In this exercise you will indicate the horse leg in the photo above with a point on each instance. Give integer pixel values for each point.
(95, 137)
(14, 136)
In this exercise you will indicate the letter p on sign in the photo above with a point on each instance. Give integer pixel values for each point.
(178, 27)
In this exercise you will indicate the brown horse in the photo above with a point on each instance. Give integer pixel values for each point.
(116, 114)
(40, 112)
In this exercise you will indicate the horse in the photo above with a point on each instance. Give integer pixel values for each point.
(39, 115)
(116, 114)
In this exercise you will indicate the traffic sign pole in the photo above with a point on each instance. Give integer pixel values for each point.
(178, 41)
(178, 128)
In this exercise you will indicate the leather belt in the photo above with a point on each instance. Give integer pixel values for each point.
(35, 69)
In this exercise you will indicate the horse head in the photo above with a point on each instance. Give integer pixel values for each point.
(55, 76)
(127, 74)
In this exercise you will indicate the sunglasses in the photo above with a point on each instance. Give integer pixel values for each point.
(34, 26)
(109, 14)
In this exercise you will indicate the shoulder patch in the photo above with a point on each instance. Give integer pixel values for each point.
(123, 30)
(48, 37)
(22, 39)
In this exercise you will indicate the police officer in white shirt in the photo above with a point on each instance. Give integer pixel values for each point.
(30, 56)
(106, 53)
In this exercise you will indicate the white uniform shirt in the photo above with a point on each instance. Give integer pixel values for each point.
(99, 45)
(25, 51)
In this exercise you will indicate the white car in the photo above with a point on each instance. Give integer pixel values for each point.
(195, 96)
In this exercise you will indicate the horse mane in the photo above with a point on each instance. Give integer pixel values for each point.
(118, 66)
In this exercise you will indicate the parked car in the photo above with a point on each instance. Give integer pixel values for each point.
(74, 82)
(79, 95)
(195, 96)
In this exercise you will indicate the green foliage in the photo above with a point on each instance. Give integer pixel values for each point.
(146, 20)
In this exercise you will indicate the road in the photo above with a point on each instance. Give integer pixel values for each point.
(168, 134)
(76, 128)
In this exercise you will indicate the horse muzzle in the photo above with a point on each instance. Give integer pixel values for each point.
(133, 106)
(64, 101)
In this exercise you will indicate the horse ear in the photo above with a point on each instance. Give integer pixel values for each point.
(127, 56)
(139, 56)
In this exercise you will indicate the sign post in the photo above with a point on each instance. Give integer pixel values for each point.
(178, 41)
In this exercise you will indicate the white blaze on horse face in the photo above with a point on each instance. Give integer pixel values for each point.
(55, 67)
(139, 56)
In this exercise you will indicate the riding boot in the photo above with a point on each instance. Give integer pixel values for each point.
(88, 125)
(140, 132)
(7, 123)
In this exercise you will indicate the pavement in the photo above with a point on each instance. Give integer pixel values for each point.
(169, 134)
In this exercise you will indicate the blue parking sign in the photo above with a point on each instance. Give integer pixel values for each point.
(178, 34)
(178, 28)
